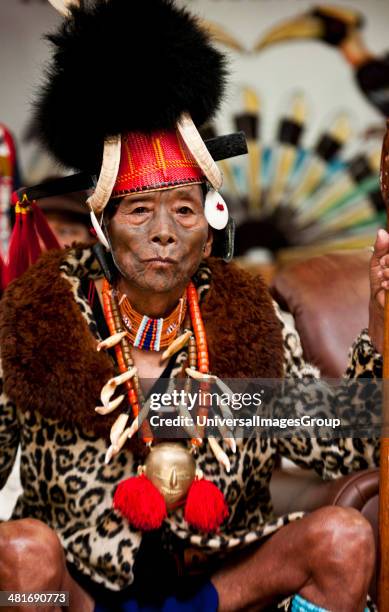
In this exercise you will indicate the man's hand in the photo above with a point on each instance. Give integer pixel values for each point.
(379, 283)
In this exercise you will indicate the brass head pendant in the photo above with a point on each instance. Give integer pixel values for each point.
(171, 468)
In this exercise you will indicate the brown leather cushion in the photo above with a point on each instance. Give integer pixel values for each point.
(328, 297)
(295, 489)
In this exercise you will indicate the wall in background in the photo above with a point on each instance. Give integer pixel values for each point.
(22, 52)
(312, 66)
(316, 68)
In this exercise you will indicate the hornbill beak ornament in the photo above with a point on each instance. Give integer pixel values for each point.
(341, 28)
(299, 28)
(220, 35)
(326, 23)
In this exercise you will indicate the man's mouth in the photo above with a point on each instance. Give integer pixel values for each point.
(161, 260)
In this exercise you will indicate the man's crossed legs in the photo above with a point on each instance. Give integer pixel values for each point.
(327, 557)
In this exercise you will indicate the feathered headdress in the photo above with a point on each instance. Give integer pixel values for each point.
(127, 86)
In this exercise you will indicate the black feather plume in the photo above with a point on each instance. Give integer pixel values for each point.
(124, 65)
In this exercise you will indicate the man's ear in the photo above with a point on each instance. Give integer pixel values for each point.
(208, 244)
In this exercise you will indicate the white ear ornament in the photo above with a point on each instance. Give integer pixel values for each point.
(215, 210)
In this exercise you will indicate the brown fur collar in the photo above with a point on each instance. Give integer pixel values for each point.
(243, 332)
(49, 355)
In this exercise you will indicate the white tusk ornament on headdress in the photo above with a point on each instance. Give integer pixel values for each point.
(108, 174)
(105, 184)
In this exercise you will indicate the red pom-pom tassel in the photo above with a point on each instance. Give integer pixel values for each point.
(205, 506)
(140, 502)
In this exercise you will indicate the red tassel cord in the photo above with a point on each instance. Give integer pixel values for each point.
(205, 507)
(30, 228)
(18, 258)
(140, 502)
(91, 293)
(31, 238)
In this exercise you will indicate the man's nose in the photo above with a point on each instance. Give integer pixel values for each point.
(162, 228)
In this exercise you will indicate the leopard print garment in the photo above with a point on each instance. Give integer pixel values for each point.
(67, 485)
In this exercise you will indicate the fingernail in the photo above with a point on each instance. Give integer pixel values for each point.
(380, 274)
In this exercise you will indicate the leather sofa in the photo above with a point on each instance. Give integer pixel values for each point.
(328, 297)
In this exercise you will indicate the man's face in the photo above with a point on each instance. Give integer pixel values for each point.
(159, 238)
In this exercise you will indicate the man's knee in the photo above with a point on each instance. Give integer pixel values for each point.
(30, 552)
(342, 539)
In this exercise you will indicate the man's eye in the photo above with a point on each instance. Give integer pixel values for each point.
(185, 210)
(140, 210)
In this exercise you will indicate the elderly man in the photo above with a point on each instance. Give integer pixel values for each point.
(165, 309)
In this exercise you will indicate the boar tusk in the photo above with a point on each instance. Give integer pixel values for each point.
(111, 340)
(111, 406)
(199, 375)
(177, 344)
(109, 388)
(118, 428)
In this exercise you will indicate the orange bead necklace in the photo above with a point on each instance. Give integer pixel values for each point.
(198, 350)
(148, 333)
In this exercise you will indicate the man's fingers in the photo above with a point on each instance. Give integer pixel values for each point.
(381, 245)
(383, 274)
(384, 261)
